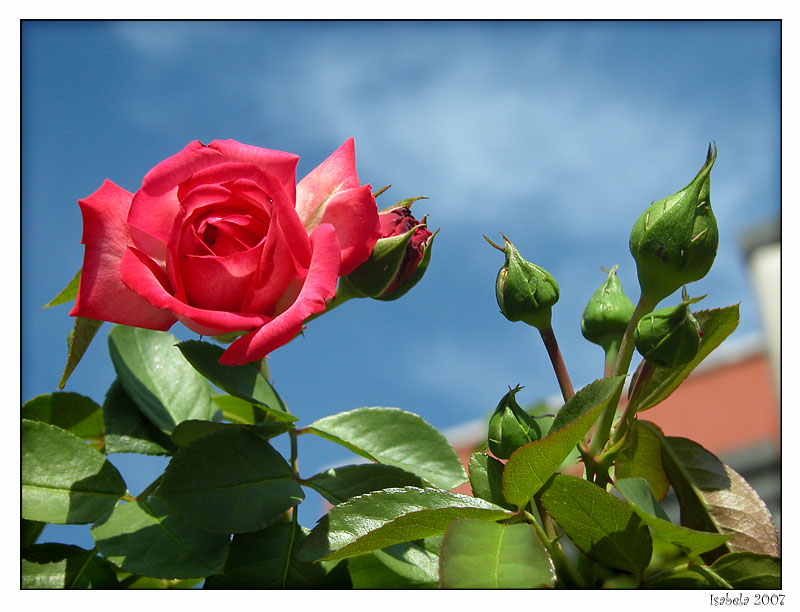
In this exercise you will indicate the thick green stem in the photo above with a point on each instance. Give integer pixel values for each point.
(633, 403)
(612, 350)
(557, 555)
(562, 375)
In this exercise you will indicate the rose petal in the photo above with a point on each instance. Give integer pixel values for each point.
(355, 216)
(102, 294)
(219, 283)
(319, 285)
(335, 174)
(143, 275)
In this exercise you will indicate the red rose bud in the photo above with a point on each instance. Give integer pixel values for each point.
(400, 256)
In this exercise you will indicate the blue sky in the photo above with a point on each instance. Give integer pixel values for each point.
(556, 134)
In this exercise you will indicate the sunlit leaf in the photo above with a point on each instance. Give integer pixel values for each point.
(641, 458)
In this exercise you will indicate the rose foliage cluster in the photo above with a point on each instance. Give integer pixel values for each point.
(222, 238)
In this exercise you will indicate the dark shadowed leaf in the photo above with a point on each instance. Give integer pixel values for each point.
(691, 542)
(78, 340)
(144, 537)
(532, 464)
(189, 431)
(242, 381)
(158, 379)
(641, 458)
(717, 325)
(395, 437)
(230, 481)
(78, 414)
(482, 555)
(715, 499)
(267, 559)
(29, 532)
(599, 524)
(63, 566)
(128, 430)
(392, 516)
(64, 480)
(747, 570)
(367, 572)
(486, 479)
(341, 483)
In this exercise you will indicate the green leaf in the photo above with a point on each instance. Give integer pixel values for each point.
(64, 480)
(715, 499)
(395, 437)
(145, 538)
(480, 555)
(230, 481)
(717, 325)
(691, 542)
(238, 410)
(486, 479)
(599, 524)
(367, 572)
(63, 566)
(676, 580)
(128, 430)
(414, 561)
(747, 570)
(532, 464)
(76, 413)
(341, 483)
(68, 293)
(267, 559)
(391, 516)
(243, 381)
(78, 340)
(189, 431)
(145, 582)
(641, 458)
(158, 379)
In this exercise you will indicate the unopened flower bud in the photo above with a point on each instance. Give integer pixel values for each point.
(607, 314)
(525, 292)
(669, 336)
(510, 427)
(675, 240)
(400, 256)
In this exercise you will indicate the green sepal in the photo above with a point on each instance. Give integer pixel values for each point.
(68, 293)
(78, 340)
(416, 276)
(510, 426)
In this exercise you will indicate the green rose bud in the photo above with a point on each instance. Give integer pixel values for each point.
(675, 240)
(607, 314)
(525, 292)
(669, 336)
(510, 427)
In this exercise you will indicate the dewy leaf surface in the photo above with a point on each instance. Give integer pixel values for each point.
(532, 464)
(64, 480)
(717, 325)
(158, 379)
(63, 566)
(692, 542)
(641, 458)
(145, 538)
(599, 524)
(377, 520)
(230, 481)
(243, 381)
(482, 555)
(714, 498)
(395, 437)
